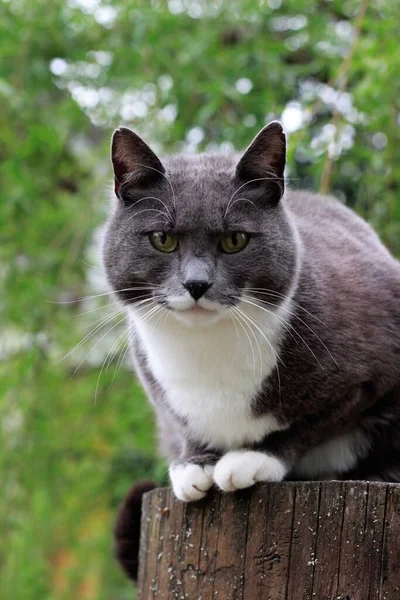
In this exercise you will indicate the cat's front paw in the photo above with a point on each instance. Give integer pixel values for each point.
(243, 468)
(190, 481)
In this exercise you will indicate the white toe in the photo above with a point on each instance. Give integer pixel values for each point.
(189, 481)
(243, 468)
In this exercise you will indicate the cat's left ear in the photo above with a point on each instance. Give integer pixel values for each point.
(263, 163)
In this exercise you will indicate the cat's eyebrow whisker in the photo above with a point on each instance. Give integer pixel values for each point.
(157, 171)
(285, 324)
(229, 207)
(152, 198)
(157, 210)
(160, 223)
(247, 183)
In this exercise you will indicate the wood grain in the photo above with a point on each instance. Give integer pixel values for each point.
(280, 541)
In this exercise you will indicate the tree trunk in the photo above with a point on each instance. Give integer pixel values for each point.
(295, 541)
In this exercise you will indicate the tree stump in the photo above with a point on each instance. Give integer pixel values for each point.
(280, 541)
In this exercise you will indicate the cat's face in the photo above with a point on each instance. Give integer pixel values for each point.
(197, 233)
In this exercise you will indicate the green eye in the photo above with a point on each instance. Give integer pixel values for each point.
(164, 241)
(234, 242)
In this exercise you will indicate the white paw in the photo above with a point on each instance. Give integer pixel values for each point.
(243, 468)
(190, 481)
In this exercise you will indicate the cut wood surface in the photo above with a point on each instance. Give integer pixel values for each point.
(280, 541)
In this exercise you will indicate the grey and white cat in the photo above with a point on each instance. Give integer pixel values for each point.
(265, 325)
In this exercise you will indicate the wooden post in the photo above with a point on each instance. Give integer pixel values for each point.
(280, 541)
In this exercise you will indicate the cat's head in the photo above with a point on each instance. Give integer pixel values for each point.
(198, 233)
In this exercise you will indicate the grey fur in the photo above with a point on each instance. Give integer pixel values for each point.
(342, 367)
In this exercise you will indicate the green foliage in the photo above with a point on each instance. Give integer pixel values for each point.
(189, 76)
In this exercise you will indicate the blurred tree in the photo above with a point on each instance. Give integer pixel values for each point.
(189, 75)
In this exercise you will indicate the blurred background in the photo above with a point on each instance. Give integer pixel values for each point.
(189, 76)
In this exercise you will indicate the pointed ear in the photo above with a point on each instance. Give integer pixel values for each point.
(265, 158)
(133, 160)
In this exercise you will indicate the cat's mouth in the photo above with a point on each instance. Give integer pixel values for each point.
(199, 310)
(191, 312)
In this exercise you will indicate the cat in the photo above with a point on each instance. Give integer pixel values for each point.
(264, 322)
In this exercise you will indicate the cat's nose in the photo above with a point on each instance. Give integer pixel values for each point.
(197, 287)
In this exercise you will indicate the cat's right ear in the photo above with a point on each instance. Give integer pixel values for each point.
(133, 161)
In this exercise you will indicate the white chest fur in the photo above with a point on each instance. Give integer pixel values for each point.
(211, 374)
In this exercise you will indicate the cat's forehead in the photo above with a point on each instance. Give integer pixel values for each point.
(202, 180)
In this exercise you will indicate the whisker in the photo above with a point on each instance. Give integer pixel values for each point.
(273, 293)
(238, 200)
(259, 349)
(161, 314)
(234, 308)
(152, 198)
(122, 356)
(89, 265)
(81, 299)
(308, 327)
(157, 171)
(247, 183)
(114, 313)
(234, 324)
(95, 346)
(286, 325)
(106, 320)
(107, 362)
(277, 357)
(87, 312)
(160, 212)
(275, 354)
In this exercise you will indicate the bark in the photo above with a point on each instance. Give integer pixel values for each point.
(287, 541)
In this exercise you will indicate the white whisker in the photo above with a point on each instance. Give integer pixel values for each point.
(308, 327)
(157, 171)
(95, 346)
(151, 198)
(247, 183)
(160, 212)
(148, 286)
(276, 355)
(286, 325)
(273, 293)
(247, 335)
(106, 320)
(107, 361)
(237, 200)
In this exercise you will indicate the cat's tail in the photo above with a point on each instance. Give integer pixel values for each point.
(127, 528)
